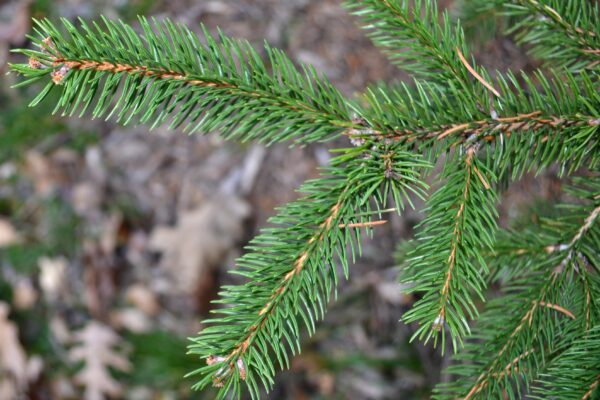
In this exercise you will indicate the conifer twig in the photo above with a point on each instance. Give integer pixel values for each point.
(238, 352)
(562, 32)
(527, 318)
(579, 34)
(221, 85)
(464, 205)
(503, 125)
(292, 268)
(456, 239)
(483, 380)
(411, 34)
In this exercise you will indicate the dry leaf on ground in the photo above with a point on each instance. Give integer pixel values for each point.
(52, 276)
(142, 298)
(8, 234)
(41, 172)
(97, 348)
(132, 319)
(200, 240)
(24, 294)
(13, 360)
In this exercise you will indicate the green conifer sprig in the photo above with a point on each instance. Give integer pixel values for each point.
(547, 300)
(291, 270)
(410, 31)
(166, 72)
(461, 222)
(563, 32)
(531, 125)
(485, 132)
(574, 374)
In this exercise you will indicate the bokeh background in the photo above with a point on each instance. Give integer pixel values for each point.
(114, 240)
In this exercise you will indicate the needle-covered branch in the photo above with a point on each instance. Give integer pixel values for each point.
(484, 132)
(166, 72)
(536, 121)
(447, 266)
(410, 32)
(554, 295)
(574, 374)
(292, 270)
(564, 33)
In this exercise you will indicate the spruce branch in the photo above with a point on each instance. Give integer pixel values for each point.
(509, 353)
(462, 131)
(537, 123)
(562, 32)
(411, 34)
(574, 374)
(166, 72)
(447, 265)
(291, 268)
(489, 377)
(485, 132)
(563, 286)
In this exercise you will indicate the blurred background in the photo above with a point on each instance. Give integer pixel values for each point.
(113, 240)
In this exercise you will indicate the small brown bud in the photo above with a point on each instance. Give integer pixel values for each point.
(210, 360)
(59, 74)
(48, 43)
(35, 63)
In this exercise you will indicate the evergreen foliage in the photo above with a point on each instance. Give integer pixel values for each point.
(167, 73)
(561, 32)
(549, 302)
(539, 335)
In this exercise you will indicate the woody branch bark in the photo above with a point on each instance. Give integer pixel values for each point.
(588, 394)
(487, 129)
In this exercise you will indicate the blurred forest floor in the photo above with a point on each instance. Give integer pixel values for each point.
(114, 240)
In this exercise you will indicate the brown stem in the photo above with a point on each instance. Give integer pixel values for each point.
(456, 239)
(509, 367)
(265, 312)
(588, 394)
(507, 125)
